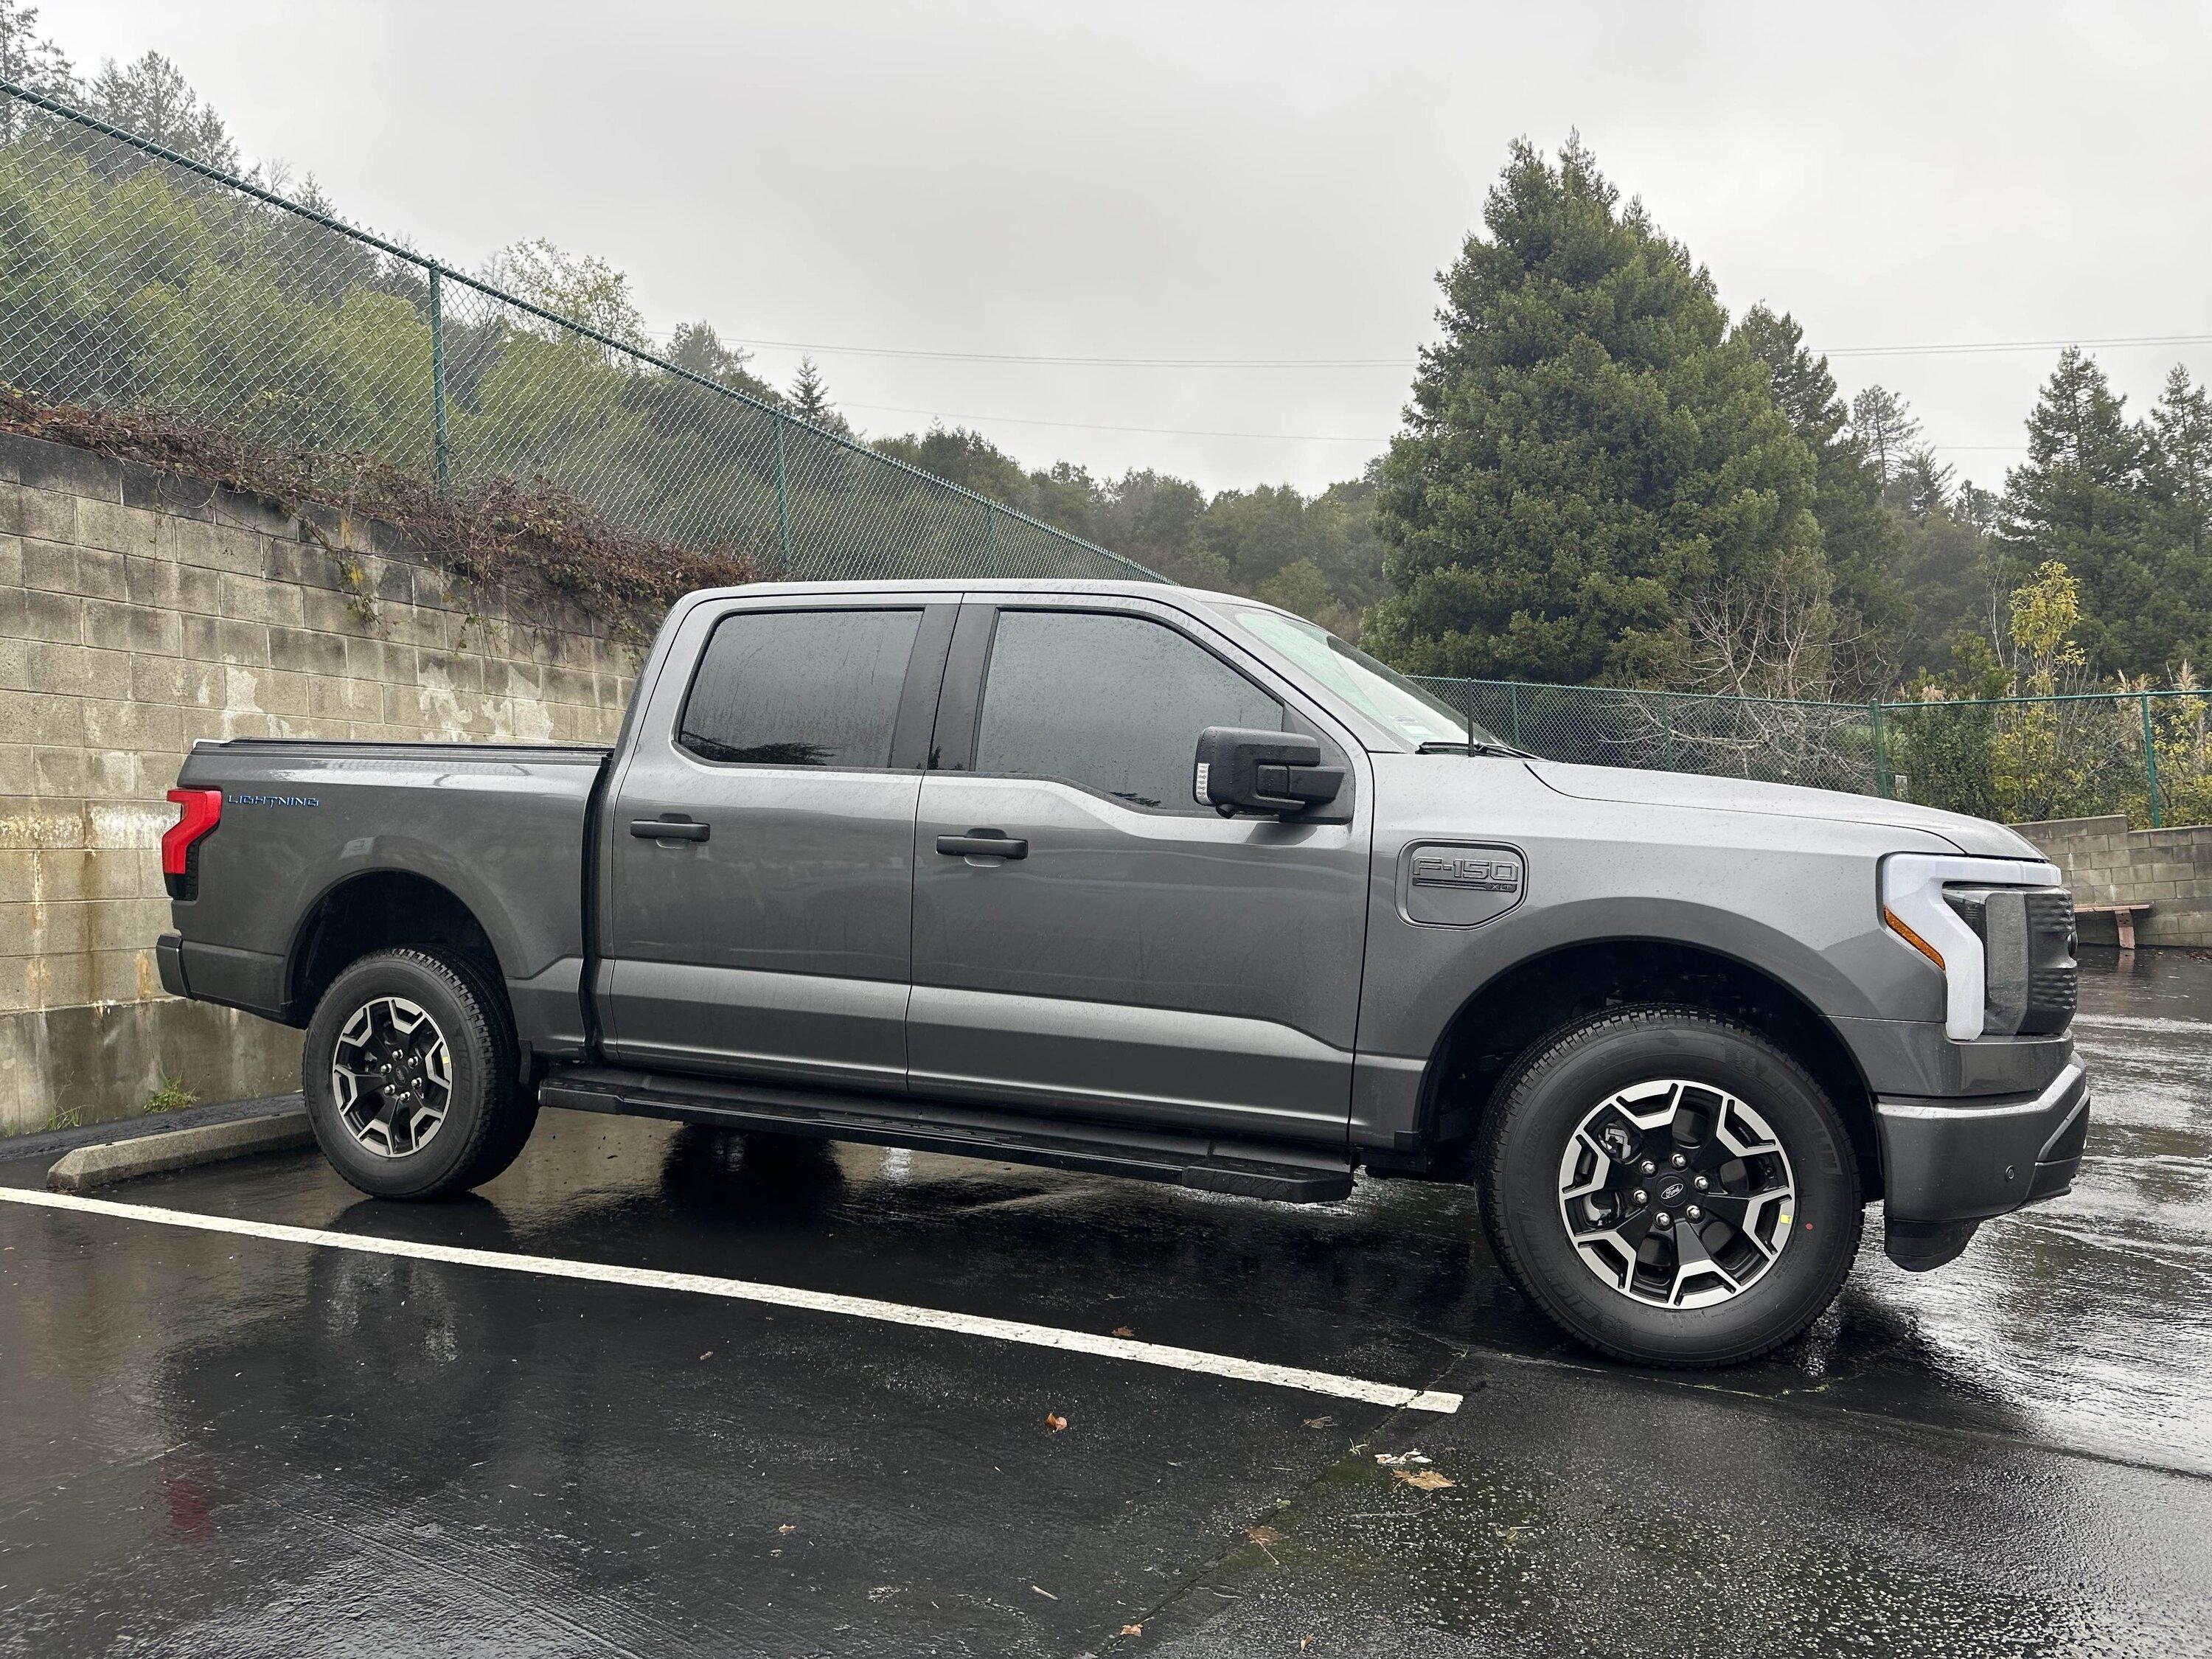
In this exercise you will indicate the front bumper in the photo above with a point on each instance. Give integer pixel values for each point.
(1950, 1165)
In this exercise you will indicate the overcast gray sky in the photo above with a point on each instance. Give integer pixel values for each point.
(1273, 181)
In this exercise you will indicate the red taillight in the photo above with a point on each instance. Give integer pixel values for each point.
(202, 812)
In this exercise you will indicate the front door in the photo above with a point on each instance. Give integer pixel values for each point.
(1143, 958)
(759, 916)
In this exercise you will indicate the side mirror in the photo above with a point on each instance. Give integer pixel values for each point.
(1277, 772)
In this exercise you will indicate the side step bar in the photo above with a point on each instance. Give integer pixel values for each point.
(1291, 1174)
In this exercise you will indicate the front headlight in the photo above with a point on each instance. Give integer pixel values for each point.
(1940, 906)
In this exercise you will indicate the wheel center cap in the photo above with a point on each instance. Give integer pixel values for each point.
(1670, 1190)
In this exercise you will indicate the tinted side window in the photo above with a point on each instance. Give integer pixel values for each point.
(1113, 703)
(800, 688)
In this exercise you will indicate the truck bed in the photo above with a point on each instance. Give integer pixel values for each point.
(310, 828)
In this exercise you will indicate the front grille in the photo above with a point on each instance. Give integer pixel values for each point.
(2053, 976)
(2027, 956)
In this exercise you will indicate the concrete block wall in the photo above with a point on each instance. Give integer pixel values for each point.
(2105, 862)
(141, 612)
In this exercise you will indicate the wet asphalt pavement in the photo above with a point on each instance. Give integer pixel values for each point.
(221, 1444)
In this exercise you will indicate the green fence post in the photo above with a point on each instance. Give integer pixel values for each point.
(1882, 782)
(1513, 701)
(438, 380)
(782, 497)
(2150, 761)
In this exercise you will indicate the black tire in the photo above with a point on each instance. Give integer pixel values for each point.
(487, 1114)
(1545, 1098)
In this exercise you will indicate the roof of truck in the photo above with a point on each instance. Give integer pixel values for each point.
(1131, 585)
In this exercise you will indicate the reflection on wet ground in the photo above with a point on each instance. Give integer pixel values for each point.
(219, 1444)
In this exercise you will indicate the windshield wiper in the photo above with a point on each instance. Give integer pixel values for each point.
(1444, 747)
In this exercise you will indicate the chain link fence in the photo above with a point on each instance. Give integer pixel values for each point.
(137, 278)
(2021, 760)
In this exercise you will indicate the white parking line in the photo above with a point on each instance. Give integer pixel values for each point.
(780, 1296)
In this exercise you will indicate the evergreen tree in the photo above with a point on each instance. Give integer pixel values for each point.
(1886, 429)
(2178, 476)
(2079, 499)
(1585, 450)
(1859, 540)
(30, 60)
(810, 401)
(150, 97)
(696, 347)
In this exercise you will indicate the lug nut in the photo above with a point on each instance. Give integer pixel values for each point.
(1639, 1198)
(1678, 1160)
(1694, 1213)
(1663, 1219)
(1649, 1168)
(1701, 1183)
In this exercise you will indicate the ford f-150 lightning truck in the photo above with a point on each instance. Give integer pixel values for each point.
(1136, 879)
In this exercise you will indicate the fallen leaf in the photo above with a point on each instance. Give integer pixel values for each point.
(1045, 1592)
(1425, 1480)
(710, 1354)
(787, 1526)
(1133, 1630)
(1320, 1422)
(1304, 1642)
(1264, 1535)
(1123, 1330)
(1393, 1460)
(1054, 1421)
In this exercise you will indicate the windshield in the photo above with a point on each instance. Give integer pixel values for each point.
(1381, 693)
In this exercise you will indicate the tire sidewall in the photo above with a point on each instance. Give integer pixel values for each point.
(1546, 1104)
(449, 1000)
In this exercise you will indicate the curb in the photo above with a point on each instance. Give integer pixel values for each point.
(177, 1149)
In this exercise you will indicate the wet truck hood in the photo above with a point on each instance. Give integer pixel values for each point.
(1975, 836)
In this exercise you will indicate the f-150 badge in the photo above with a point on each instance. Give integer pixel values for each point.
(1485, 872)
(1460, 883)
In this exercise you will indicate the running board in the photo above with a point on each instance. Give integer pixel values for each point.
(1290, 1174)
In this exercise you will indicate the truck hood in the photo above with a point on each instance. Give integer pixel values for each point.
(1977, 837)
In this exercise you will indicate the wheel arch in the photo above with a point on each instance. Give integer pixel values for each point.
(376, 910)
(1499, 1021)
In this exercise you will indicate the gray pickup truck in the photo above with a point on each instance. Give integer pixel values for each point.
(1139, 880)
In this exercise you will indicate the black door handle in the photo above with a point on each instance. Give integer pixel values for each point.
(984, 843)
(668, 829)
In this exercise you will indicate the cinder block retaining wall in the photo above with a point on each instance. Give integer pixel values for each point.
(140, 612)
(2107, 863)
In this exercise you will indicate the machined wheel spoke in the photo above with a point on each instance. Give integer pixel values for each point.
(391, 1076)
(1676, 1193)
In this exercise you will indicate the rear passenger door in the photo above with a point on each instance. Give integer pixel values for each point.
(758, 916)
(1142, 958)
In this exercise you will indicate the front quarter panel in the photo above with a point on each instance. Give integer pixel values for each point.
(1793, 898)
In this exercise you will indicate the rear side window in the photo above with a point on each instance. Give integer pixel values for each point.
(1111, 704)
(800, 688)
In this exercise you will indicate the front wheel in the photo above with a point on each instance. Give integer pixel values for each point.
(409, 1071)
(1670, 1187)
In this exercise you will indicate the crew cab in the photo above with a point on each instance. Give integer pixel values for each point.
(1146, 881)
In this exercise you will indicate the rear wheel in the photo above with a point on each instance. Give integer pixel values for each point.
(1670, 1187)
(410, 1073)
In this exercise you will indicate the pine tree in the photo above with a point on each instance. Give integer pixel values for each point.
(29, 60)
(1886, 428)
(1585, 453)
(1859, 540)
(2177, 473)
(2079, 499)
(810, 399)
(150, 97)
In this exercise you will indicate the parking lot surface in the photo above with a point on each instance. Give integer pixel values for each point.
(218, 1443)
